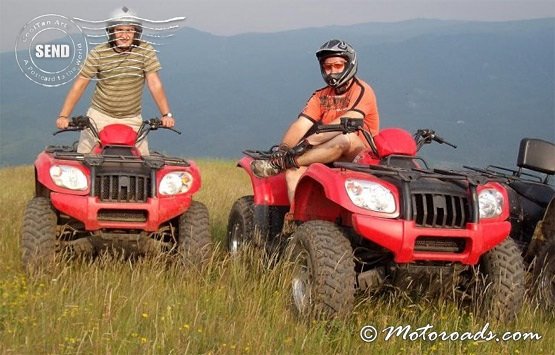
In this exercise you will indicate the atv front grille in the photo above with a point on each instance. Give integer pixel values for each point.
(440, 211)
(122, 188)
(122, 215)
(440, 245)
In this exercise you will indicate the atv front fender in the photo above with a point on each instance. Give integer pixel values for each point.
(321, 194)
(271, 191)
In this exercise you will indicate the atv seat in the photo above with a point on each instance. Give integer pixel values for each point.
(537, 155)
(539, 193)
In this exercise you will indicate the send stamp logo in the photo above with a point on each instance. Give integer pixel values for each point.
(50, 50)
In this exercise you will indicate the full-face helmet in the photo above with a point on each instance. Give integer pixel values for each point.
(338, 48)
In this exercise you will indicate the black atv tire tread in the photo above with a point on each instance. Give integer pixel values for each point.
(505, 270)
(333, 267)
(242, 210)
(544, 272)
(194, 233)
(38, 234)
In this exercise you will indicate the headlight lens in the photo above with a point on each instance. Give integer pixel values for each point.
(175, 183)
(370, 195)
(491, 203)
(68, 177)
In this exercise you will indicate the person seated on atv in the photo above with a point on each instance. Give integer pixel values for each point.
(344, 96)
(121, 66)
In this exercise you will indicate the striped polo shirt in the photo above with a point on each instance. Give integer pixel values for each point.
(120, 78)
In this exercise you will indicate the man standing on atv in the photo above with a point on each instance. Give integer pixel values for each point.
(344, 96)
(121, 66)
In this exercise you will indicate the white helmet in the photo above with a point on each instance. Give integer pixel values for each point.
(123, 16)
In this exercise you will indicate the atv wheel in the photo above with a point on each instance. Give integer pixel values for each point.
(240, 227)
(323, 283)
(194, 234)
(38, 235)
(544, 274)
(499, 285)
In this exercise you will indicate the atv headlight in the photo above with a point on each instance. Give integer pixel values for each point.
(175, 183)
(491, 203)
(68, 177)
(370, 195)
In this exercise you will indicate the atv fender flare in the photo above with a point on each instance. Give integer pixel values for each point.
(321, 195)
(270, 191)
(42, 175)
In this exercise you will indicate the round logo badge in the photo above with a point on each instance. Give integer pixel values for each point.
(50, 50)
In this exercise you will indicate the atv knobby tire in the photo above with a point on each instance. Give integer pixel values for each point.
(240, 226)
(194, 242)
(38, 235)
(323, 284)
(544, 274)
(499, 288)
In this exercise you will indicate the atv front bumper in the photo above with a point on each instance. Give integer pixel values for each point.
(96, 215)
(410, 243)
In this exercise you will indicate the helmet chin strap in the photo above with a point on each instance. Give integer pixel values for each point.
(342, 89)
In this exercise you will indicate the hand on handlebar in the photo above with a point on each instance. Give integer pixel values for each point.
(168, 122)
(62, 122)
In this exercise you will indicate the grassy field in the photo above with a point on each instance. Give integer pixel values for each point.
(231, 306)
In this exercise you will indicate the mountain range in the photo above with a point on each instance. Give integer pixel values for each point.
(480, 85)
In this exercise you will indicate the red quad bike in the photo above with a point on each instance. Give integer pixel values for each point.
(532, 200)
(113, 199)
(384, 220)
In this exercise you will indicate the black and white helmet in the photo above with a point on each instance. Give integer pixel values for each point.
(338, 48)
(123, 16)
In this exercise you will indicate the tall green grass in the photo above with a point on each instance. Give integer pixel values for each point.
(234, 305)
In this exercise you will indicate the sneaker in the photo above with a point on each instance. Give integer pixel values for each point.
(264, 168)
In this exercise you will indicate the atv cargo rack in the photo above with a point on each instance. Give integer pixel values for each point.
(154, 161)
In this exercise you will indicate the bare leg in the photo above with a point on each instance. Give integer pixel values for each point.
(292, 177)
(342, 147)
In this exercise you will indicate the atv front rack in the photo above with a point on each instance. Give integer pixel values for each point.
(416, 173)
(154, 160)
(499, 172)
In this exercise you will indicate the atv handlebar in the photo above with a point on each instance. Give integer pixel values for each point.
(79, 123)
(346, 125)
(351, 125)
(426, 136)
(152, 124)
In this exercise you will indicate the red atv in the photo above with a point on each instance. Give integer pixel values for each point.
(113, 198)
(532, 200)
(385, 219)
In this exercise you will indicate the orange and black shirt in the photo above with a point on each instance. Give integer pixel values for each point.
(324, 106)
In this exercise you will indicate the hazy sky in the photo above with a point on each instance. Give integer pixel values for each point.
(228, 17)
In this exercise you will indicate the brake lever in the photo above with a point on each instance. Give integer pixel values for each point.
(171, 129)
(66, 130)
(442, 141)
